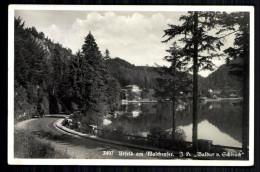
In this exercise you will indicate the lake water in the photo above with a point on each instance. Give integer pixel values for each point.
(220, 122)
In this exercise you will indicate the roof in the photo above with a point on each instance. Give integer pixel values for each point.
(131, 86)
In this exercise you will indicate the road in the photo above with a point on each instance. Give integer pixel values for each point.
(75, 146)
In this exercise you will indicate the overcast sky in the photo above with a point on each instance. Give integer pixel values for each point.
(133, 36)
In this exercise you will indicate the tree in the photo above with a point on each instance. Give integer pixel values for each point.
(30, 58)
(92, 85)
(30, 64)
(113, 94)
(65, 87)
(107, 55)
(174, 82)
(113, 87)
(196, 40)
(238, 60)
(77, 79)
(56, 72)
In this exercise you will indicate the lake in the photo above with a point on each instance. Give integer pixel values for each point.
(220, 122)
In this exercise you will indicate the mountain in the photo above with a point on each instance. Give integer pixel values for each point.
(145, 76)
(221, 80)
(129, 74)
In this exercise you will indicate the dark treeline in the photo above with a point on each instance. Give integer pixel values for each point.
(147, 76)
(129, 74)
(50, 79)
(221, 80)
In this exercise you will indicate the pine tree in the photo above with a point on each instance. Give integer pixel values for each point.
(113, 94)
(238, 60)
(93, 73)
(174, 82)
(107, 55)
(196, 39)
(56, 73)
(113, 87)
(65, 86)
(77, 79)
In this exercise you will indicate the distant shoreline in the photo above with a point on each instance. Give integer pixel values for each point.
(203, 100)
(138, 101)
(223, 99)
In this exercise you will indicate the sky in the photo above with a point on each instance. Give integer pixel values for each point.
(133, 36)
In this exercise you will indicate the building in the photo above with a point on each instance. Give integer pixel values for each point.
(132, 88)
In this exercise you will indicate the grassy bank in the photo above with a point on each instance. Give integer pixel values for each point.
(27, 145)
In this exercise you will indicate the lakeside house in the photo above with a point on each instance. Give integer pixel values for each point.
(131, 92)
(132, 88)
(134, 93)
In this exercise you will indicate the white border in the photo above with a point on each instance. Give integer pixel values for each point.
(12, 160)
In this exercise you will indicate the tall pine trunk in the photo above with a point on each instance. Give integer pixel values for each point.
(245, 115)
(173, 98)
(173, 117)
(195, 84)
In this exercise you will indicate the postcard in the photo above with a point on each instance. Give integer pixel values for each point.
(131, 85)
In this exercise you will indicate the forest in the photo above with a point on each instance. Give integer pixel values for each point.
(50, 79)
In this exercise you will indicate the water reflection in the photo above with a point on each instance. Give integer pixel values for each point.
(218, 121)
(208, 131)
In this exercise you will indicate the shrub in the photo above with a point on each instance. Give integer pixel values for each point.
(26, 145)
(180, 134)
(163, 138)
(85, 128)
(156, 136)
(106, 132)
(22, 108)
(65, 122)
(118, 133)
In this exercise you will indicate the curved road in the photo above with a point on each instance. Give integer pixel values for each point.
(75, 146)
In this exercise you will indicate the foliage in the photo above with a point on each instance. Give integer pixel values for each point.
(107, 55)
(92, 86)
(109, 132)
(196, 39)
(129, 74)
(238, 22)
(22, 108)
(113, 94)
(118, 134)
(157, 133)
(174, 82)
(30, 59)
(195, 30)
(221, 80)
(51, 79)
(26, 145)
(179, 134)
(32, 68)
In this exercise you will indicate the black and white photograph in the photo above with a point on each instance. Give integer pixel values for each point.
(131, 85)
